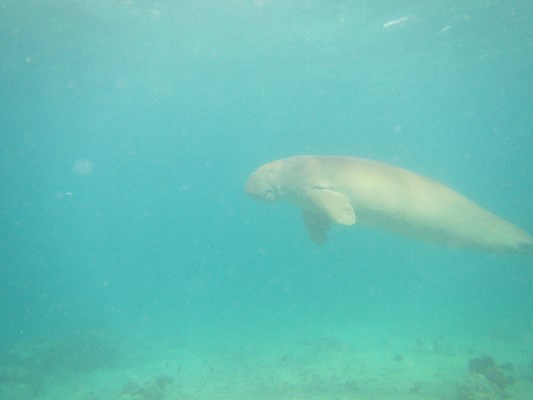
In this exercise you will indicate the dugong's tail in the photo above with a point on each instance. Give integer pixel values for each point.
(524, 245)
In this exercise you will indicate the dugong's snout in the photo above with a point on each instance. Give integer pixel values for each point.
(257, 189)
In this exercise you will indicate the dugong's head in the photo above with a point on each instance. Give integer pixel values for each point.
(265, 182)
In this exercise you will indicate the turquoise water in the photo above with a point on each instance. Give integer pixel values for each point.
(132, 258)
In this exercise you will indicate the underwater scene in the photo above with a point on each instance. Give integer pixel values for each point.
(266, 199)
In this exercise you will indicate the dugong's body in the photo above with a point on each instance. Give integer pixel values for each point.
(349, 190)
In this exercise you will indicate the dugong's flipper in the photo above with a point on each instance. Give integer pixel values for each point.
(334, 204)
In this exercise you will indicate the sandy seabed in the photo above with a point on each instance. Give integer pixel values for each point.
(315, 364)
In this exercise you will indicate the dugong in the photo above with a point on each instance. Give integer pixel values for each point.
(348, 190)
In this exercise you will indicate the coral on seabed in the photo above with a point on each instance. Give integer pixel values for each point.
(487, 367)
(477, 387)
(485, 380)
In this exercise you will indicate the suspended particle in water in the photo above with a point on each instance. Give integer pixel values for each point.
(82, 167)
